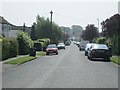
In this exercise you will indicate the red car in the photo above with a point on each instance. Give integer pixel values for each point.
(51, 48)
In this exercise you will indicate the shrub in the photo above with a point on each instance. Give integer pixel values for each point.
(9, 48)
(0, 49)
(38, 45)
(101, 41)
(115, 45)
(45, 41)
(25, 43)
(13, 49)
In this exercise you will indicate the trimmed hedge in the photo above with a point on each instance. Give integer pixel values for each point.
(45, 42)
(9, 48)
(25, 43)
(38, 45)
(115, 45)
(0, 49)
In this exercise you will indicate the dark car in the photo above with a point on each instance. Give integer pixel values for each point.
(51, 48)
(67, 43)
(99, 51)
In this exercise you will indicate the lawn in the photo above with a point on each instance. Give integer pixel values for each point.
(41, 53)
(21, 60)
(116, 59)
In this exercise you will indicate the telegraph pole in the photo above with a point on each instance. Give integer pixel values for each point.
(51, 12)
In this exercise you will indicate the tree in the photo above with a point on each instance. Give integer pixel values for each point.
(90, 32)
(111, 26)
(111, 30)
(24, 27)
(42, 29)
(33, 32)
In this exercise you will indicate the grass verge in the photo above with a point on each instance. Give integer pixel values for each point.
(41, 53)
(115, 59)
(21, 60)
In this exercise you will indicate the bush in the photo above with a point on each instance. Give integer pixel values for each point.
(13, 49)
(45, 41)
(0, 49)
(38, 45)
(9, 48)
(115, 45)
(101, 41)
(25, 43)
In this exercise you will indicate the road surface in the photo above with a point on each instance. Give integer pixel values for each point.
(69, 69)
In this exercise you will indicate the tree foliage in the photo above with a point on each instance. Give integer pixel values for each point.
(25, 43)
(111, 30)
(42, 30)
(111, 26)
(90, 32)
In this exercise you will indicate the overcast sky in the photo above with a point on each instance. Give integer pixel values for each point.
(64, 13)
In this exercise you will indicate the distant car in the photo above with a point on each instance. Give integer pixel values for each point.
(99, 51)
(83, 44)
(78, 43)
(87, 48)
(61, 46)
(67, 43)
(51, 48)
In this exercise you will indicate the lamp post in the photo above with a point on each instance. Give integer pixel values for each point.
(98, 23)
(51, 12)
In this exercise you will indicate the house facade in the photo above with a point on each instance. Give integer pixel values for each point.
(5, 27)
(9, 30)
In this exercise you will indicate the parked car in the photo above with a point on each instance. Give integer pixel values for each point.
(78, 43)
(67, 43)
(99, 51)
(87, 48)
(51, 48)
(61, 46)
(83, 44)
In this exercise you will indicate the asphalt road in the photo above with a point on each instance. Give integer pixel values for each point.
(69, 69)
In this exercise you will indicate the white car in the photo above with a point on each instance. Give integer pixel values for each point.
(83, 45)
(61, 46)
(87, 48)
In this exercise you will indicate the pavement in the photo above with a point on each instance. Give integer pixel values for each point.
(69, 69)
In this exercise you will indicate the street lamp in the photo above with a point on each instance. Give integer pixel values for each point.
(98, 23)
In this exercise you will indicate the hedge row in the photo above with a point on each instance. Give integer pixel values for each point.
(24, 42)
(9, 48)
(0, 49)
(41, 44)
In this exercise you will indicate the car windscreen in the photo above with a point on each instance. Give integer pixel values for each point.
(51, 46)
(100, 47)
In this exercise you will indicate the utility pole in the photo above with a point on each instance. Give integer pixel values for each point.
(51, 12)
(98, 24)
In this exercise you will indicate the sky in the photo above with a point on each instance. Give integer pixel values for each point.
(64, 13)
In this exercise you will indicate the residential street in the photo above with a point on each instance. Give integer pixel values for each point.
(69, 69)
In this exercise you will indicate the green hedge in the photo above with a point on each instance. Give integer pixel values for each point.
(9, 48)
(38, 45)
(45, 41)
(101, 41)
(0, 49)
(115, 45)
(25, 43)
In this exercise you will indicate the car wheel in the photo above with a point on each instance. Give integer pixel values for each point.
(80, 49)
(108, 59)
(89, 58)
(56, 53)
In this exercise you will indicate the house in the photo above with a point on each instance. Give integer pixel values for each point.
(9, 30)
(5, 27)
